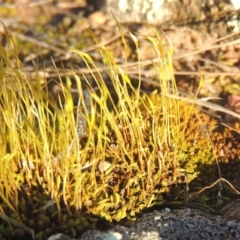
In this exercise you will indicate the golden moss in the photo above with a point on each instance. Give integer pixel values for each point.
(143, 150)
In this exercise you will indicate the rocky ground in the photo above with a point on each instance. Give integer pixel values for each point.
(170, 224)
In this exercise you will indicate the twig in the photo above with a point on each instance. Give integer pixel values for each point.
(193, 195)
(204, 103)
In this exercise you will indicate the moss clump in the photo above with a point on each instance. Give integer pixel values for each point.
(141, 151)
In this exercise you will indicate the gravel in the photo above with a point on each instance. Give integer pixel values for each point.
(169, 224)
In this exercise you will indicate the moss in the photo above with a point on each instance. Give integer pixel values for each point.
(140, 151)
